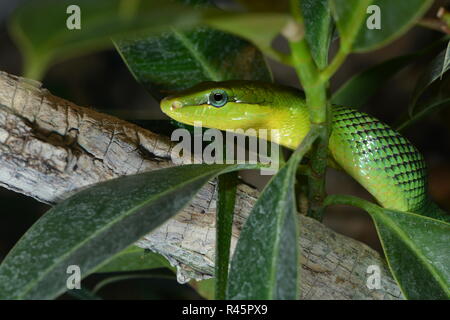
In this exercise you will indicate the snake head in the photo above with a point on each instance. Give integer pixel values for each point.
(222, 105)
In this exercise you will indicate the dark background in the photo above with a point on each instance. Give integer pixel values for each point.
(102, 81)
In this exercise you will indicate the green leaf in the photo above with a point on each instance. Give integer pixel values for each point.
(134, 258)
(178, 60)
(224, 223)
(259, 28)
(430, 108)
(396, 17)
(438, 97)
(48, 40)
(416, 248)
(318, 27)
(358, 90)
(446, 62)
(349, 16)
(90, 227)
(264, 265)
(265, 261)
(435, 71)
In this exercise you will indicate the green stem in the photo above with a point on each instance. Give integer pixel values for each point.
(350, 201)
(317, 102)
(315, 92)
(348, 33)
(316, 178)
(278, 56)
(331, 69)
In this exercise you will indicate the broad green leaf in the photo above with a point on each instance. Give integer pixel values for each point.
(224, 223)
(434, 72)
(134, 258)
(353, 18)
(44, 41)
(264, 265)
(178, 60)
(415, 246)
(90, 227)
(418, 253)
(259, 28)
(396, 18)
(318, 27)
(358, 90)
(361, 87)
(265, 261)
(432, 107)
(437, 97)
(349, 16)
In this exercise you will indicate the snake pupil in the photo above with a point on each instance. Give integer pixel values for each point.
(218, 98)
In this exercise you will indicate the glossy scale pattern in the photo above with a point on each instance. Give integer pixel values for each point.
(380, 159)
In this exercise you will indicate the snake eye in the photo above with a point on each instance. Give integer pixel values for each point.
(218, 98)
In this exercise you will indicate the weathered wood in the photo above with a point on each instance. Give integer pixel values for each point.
(50, 147)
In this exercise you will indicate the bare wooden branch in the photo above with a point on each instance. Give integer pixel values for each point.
(50, 147)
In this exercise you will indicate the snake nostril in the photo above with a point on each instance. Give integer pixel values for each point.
(176, 105)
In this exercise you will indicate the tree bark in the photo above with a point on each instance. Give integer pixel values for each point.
(50, 148)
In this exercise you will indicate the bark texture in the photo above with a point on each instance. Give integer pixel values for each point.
(50, 147)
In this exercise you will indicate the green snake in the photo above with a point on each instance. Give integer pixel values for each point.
(385, 163)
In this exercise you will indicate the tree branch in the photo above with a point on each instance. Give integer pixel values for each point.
(50, 147)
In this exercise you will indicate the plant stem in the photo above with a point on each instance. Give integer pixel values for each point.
(316, 97)
(350, 201)
(316, 100)
(316, 178)
(331, 69)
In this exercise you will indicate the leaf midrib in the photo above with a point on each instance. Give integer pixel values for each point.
(197, 55)
(106, 226)
(410, 244)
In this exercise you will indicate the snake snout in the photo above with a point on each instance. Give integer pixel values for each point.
(168, 105)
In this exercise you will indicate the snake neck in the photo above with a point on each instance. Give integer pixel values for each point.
(290, 129)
